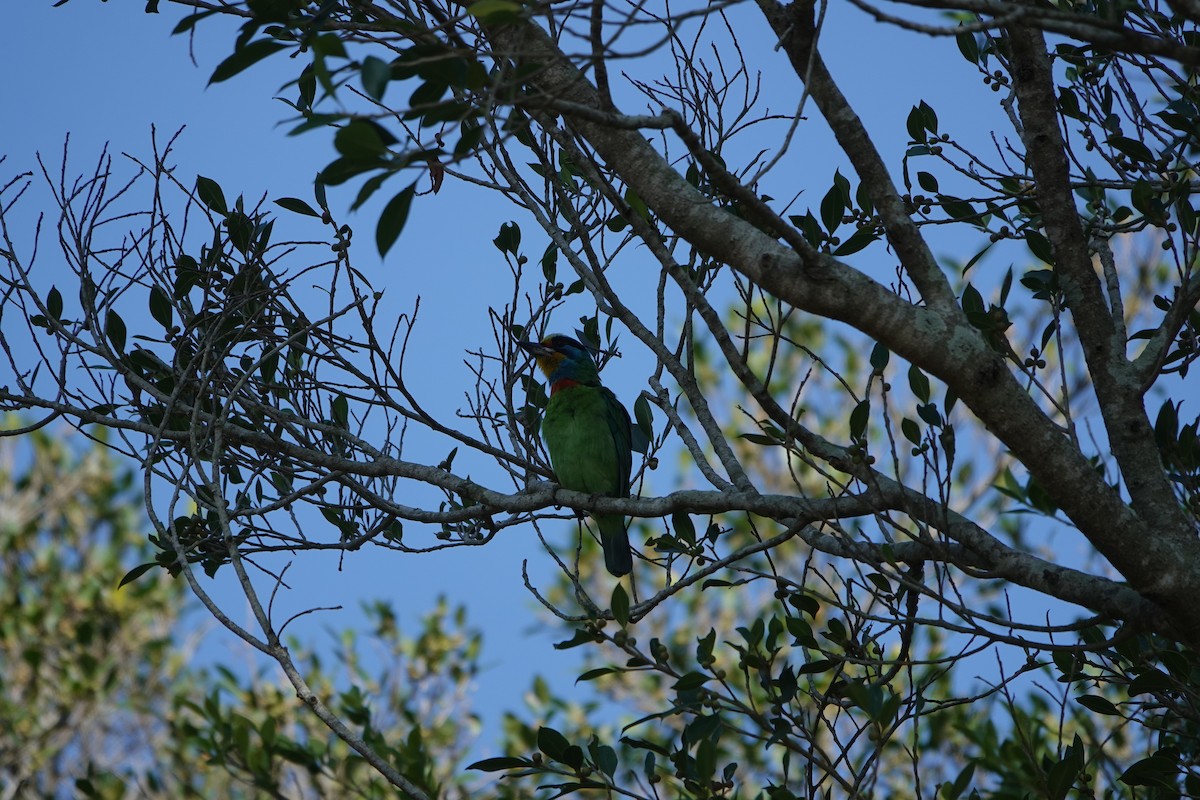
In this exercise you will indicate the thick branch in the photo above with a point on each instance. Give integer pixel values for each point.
(1160, 568)
(1118, 386)
(794, 27)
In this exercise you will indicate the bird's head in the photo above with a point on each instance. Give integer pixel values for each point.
(564, 360)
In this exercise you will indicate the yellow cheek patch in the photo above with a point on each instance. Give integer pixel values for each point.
(549, 363)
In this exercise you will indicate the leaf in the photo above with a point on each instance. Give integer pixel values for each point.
(552, 743)
(137, 572)
(498, 763)
(375, 74)
(599, 672)
(858, 419)
(211, 195)
(1153, 771)
(879, 357)
(391, 221)
(549, 262)
(188, 22)
(958, 208)
(643, 415)
(916, 127)
(114, 329)
(929, 413)
(758, 438)
(683, 526)
(833, 206)
(340, 409)
(297, 205)
(1136, 150)
(509, 238)
(928, 117)
(363, 139)
(911, 430)
(620, 605)
(1039, 245)
(690, 681)
(968, 46)
(160, 306)
(857, 241)
(1098, 704)
(343, 169)
(54, 303)
(244, 57)
(919, 383)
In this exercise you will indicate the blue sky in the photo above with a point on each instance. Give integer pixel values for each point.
(106, 72)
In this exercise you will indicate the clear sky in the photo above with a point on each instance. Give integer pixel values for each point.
(106, 72)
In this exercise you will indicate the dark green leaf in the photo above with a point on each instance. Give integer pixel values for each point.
(928, 117)
(916, 126)
(641, 412)
(858, 419)
(297, 205)
(509, 238)
(137, 572)
(683, 526)
(343, 169)
(758, 438)
(160, 306)
(391, 221)
(244, 57)
(690, 681)
(552, 743)
(1039, 245)
(375, 74)
(879, 357)
(549, 262)
(929, 413)
(211, 195)
(1136, 150)
(857, 241)
(188, 22)
(361, 139)
(833, 206)
(972, 301)
(1153, 771)
(340, 408)
(620, 605)
(114, 329)
(54, 303)
(599, 672)
(919, 383)
(1098, 704)
(968, 46)
(958, 209)
(498, 763)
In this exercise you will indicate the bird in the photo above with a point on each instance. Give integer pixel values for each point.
(588, 434)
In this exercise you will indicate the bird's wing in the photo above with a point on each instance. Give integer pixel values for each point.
(621, 428)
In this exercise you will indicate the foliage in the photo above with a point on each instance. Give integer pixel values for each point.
(895, 446)
(101, 697)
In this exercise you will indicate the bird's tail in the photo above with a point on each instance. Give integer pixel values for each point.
(614, 537)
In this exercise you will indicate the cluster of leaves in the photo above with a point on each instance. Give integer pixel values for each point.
(100, 697)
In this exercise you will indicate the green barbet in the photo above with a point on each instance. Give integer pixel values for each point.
(588, 434)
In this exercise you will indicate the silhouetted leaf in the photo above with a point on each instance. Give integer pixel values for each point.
(297, 205)
(391, 221)
(211, 195)
(244, 57)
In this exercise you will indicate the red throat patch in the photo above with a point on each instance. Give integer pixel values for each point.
(565, 383)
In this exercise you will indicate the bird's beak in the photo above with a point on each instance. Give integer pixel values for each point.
(536, 349)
